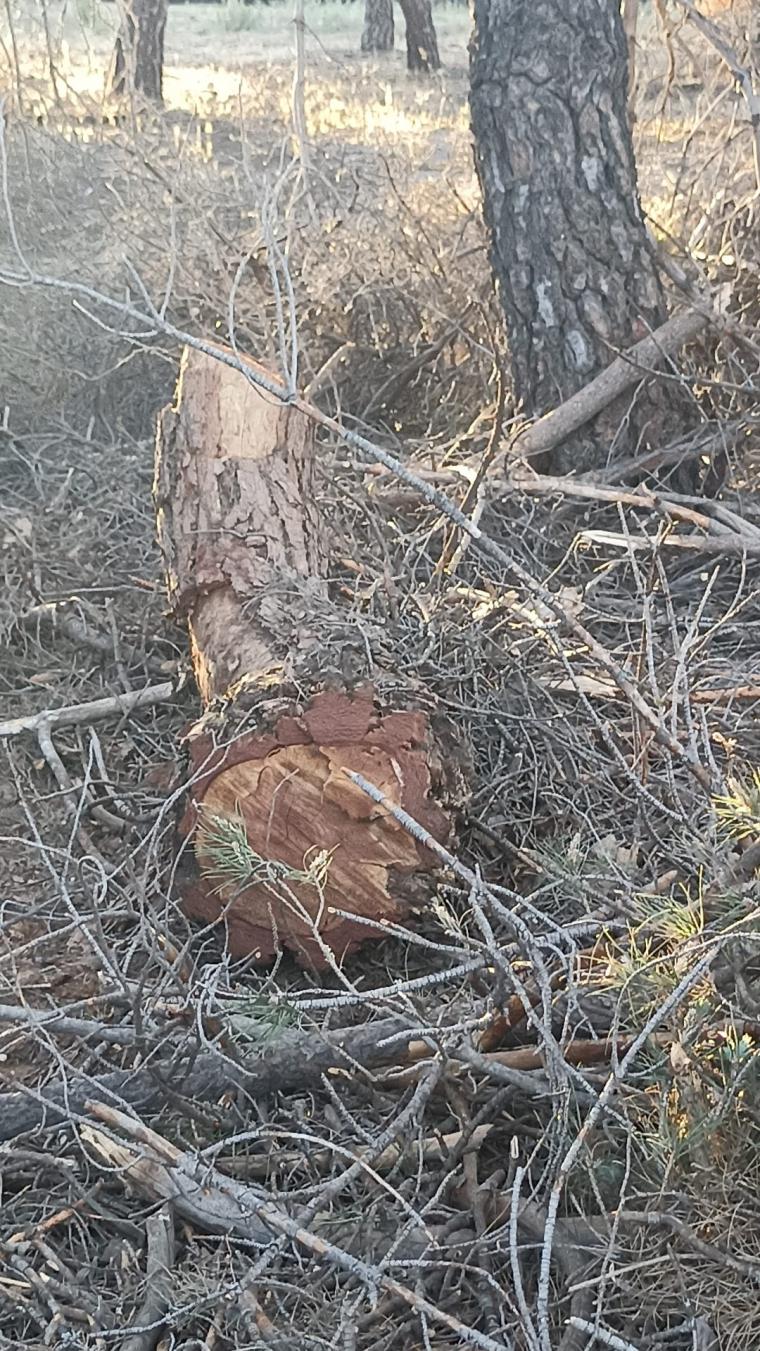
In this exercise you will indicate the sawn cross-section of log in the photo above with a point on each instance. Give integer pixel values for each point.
(277, 845)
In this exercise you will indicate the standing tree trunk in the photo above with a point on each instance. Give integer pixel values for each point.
(138, 61)
(378, 33)
(553, 151)
(277, 841)
(421, 41)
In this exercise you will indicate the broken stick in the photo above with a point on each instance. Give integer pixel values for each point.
(217, 1203)
(78, 715)
(622, 374)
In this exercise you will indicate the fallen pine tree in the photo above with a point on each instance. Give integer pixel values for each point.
(277, 843)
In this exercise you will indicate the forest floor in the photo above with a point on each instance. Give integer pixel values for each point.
(580, 1139)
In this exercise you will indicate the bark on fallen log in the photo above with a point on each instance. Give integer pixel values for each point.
(294, 1060)
(281, 840)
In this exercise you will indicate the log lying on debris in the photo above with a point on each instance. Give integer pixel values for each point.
(279, 845)
(289, 1061)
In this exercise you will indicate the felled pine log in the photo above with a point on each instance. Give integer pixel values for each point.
(277, 844)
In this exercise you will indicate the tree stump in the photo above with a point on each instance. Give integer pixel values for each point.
(277, 844)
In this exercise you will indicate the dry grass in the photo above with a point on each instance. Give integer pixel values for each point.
(603, 863)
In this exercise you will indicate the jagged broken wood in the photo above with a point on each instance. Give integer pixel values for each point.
(281, 839)
(219, 1204)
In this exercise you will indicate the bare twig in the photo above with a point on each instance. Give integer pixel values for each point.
(659, 1219)
(149, 1319)
(743, 77)
(35, 1020)
(544, 485)
(604, 689)
(602, 1335)
(736, 545)
(56, 613)
(77, 715)
(299, 90)
(616, 1077)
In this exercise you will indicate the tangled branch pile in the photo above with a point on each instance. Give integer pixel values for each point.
(530, 1117)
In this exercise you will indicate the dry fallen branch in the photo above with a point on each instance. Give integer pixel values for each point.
(604, 689)
(621, 375)
(657, 1219)
(433, 1149)
(736, 545)
(216, 1203)
(294, 1060)
(71, 625)
(36, 1020)
(149, 1318)
(664, 505)
(78, 715)
(597, 1333)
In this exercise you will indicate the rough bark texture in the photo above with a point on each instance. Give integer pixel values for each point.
(237, 525)
(569, 250)
(378, 32)
(421, 40)
(286, 1061)
(289, 712)
(138, 63)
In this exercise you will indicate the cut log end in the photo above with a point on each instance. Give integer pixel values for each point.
(287, 848)
(280, 848)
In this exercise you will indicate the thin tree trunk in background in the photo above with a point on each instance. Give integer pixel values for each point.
(574, 269)
(50, 52)
(421, 40)
(138, 63)
(299, 87)
(378, 32)
(15, 63)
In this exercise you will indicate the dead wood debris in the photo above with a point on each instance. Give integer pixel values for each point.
(406, 1115)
